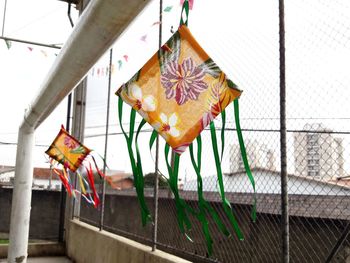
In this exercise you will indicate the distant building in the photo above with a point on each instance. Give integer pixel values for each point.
(119, 180)
(44, 178)
(6, 172)
(258, 154)
(269, 182)
(318, 153)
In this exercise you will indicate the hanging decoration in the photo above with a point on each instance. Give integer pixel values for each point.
(125, 59)
(179, 92)
(68, 156)
(143, 38)
(29, 48)
(8, 44)
(168, 8)
(120, 64)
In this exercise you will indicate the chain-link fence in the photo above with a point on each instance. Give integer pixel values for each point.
(243, 39)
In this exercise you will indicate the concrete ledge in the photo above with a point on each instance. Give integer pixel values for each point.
(87, 244)
(42, 249)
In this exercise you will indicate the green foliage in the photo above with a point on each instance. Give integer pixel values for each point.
(4, 241)
(150, 178)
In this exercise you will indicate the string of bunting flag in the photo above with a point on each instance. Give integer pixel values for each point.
(102, 71)
(30, 48)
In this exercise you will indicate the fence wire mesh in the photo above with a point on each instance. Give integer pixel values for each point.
(244, 42)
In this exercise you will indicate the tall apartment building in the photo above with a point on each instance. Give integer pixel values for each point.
(318, 153)
(258, 154)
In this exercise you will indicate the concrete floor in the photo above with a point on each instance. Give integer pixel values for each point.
(44, 260)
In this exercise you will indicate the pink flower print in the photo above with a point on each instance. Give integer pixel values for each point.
(183, 82)
(70, 143)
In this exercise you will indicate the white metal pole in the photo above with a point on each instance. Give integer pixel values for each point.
(22, 196)
(99, 26)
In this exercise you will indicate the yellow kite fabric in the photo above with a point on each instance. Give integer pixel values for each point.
(73, 156)
(180, 90)
(68, 151)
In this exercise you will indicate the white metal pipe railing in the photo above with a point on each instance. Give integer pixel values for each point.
(21, 197)
(98, 28)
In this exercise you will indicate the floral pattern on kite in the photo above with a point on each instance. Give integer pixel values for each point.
(74, 157)
(183, 82)
(180, 90)
(68, 151)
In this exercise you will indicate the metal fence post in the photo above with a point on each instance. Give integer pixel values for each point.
(156, 179)
(63, 190)
(78, 126)
(4, 19)
(78, 122)
(106, 139)
(283, 139)
(155, 204)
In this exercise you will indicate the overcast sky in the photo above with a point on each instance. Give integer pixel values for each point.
(23, 67)
(241, 36)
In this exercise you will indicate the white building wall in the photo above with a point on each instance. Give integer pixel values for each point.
(45, 183)
(269, 183)
(37, 183)
(258, 154)
(6, 177)
(318, 155)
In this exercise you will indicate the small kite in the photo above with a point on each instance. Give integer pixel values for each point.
(75, 158)
(179, 92)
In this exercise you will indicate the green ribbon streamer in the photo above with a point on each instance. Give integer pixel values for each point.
(223, 120)
(152, 139)
(132, 124)
(203, 204)
(138, 177)
(226, 203)
(140, 180)
(181, 206)
(244, 155)
(186, 8)
(138, 156)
